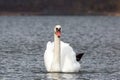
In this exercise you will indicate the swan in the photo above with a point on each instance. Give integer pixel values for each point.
(59, 56)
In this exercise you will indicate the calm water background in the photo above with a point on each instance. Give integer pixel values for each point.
(23, 41)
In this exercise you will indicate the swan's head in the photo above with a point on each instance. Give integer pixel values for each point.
(57, 31)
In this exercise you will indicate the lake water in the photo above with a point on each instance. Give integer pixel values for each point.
(23, 42)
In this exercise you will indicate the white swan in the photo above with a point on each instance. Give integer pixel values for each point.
(59, 56)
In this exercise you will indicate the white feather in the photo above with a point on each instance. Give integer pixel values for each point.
(68, 57)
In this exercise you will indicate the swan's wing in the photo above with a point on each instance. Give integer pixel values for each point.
(79, 56)
(68, 58)
(48, 55)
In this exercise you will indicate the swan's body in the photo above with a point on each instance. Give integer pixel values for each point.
(68, 58)
(59, 56)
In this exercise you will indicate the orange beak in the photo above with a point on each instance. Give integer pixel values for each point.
(58, 33)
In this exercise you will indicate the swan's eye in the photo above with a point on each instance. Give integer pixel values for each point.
(56, 29)
(59, 29)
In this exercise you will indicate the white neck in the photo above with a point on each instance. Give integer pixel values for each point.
(56, 57)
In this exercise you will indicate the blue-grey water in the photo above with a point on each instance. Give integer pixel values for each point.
(23, 42)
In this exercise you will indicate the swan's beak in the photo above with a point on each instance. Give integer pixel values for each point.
(58, 33)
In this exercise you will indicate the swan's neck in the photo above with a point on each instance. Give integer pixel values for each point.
(56, 58)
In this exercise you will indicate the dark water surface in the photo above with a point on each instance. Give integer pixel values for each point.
(23, 42)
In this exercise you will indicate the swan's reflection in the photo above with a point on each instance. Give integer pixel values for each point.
(61, 76)
(55, 76)
(70, 76)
